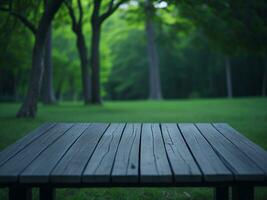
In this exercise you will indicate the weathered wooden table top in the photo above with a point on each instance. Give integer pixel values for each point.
(133, 154)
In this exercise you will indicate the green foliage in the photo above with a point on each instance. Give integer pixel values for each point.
(233, 27)
(128, 78)
(190, 36)
(66, 64)
(15, 58)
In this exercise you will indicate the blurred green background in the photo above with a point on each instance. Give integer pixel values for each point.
(158, 61)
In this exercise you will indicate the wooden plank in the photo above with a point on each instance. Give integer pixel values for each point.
(253, 151)
(13, 149)
(182, 162)
(126, 164)
(154, 164)
(212, 167)
(13, 167)
(39, 170)
(243, 167)
(99, 167)
(71, 166)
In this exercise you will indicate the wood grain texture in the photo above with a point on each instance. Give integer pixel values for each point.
(154, 164)
(10, 171)
(126, 163)
(71, 166)
(182, 162)
(99, 167)
(23, 142)
(253, 151)
(39, 170)
(214, 170)
(133, 154)
(243, 167)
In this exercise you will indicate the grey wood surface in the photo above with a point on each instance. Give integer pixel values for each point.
(126, 163)
(70, 167)
(182, 162)
(253, 151)
(211, 165)
(39, 170)
(242, 166)
(23, 142)
(10, 170)
(99, 167)
(133, 153)
(154, 164)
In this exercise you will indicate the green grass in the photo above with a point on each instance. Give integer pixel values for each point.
(248, 115)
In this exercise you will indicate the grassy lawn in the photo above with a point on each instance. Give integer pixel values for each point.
(248, 115)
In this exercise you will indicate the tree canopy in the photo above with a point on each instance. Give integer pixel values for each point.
(192, 39)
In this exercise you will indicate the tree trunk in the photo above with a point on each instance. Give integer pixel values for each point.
(264, 80)
(95, 63)
(47, 84)
(59, 88)
(71, 93)
(29, 106)
(154, 74)
(228, 75)
(210, 80)
(86, 82)
(17, 77)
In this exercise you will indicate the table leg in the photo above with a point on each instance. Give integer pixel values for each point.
(47, 193)
(20, 193)
(221, 193)
(243, 193)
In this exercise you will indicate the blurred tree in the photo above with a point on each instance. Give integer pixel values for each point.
(182, 59)
(192, 52)
(29, 107)
(67, 71)
(47, 83)
(228, 75)
(264, 80)
(154, 74)
(14, 53)
(47, 89)
(96, 21)
(215, 28)
(233, 27)
(77, 28)
(126, 51)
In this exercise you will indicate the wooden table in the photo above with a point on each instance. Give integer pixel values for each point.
(133, 155)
